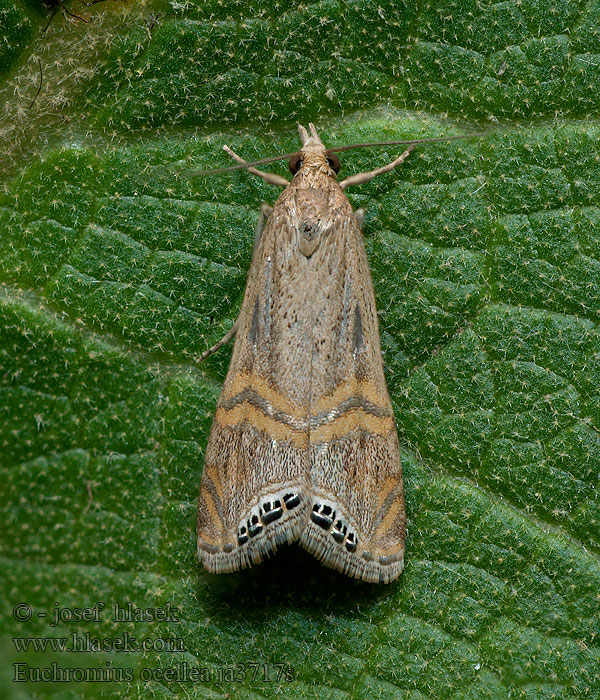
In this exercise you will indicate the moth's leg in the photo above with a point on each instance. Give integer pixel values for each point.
(271, 178)
(51, 17)
(359, 178)
(264, 213)
(360, 217)
(72, 14)
(225, 339)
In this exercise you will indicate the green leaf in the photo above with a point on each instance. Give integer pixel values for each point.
(118, 267)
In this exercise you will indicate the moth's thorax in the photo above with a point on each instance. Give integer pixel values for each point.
(315, 203)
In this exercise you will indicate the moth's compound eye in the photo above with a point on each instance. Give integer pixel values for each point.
(334, 162)
(295, 163)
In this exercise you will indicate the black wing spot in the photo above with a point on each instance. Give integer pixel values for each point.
(323, 515)
(291, 500)
(254, 526)
(339, 532)
(351, 542)
(271, 511)
(242, 537)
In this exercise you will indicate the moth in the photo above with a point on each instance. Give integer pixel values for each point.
(303, 447)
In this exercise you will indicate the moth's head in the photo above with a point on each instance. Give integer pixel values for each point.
(313, 155)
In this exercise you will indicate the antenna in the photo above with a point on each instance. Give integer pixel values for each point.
(337, 149)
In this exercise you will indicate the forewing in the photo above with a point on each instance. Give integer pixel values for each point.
(254, 487)
(357, 521)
